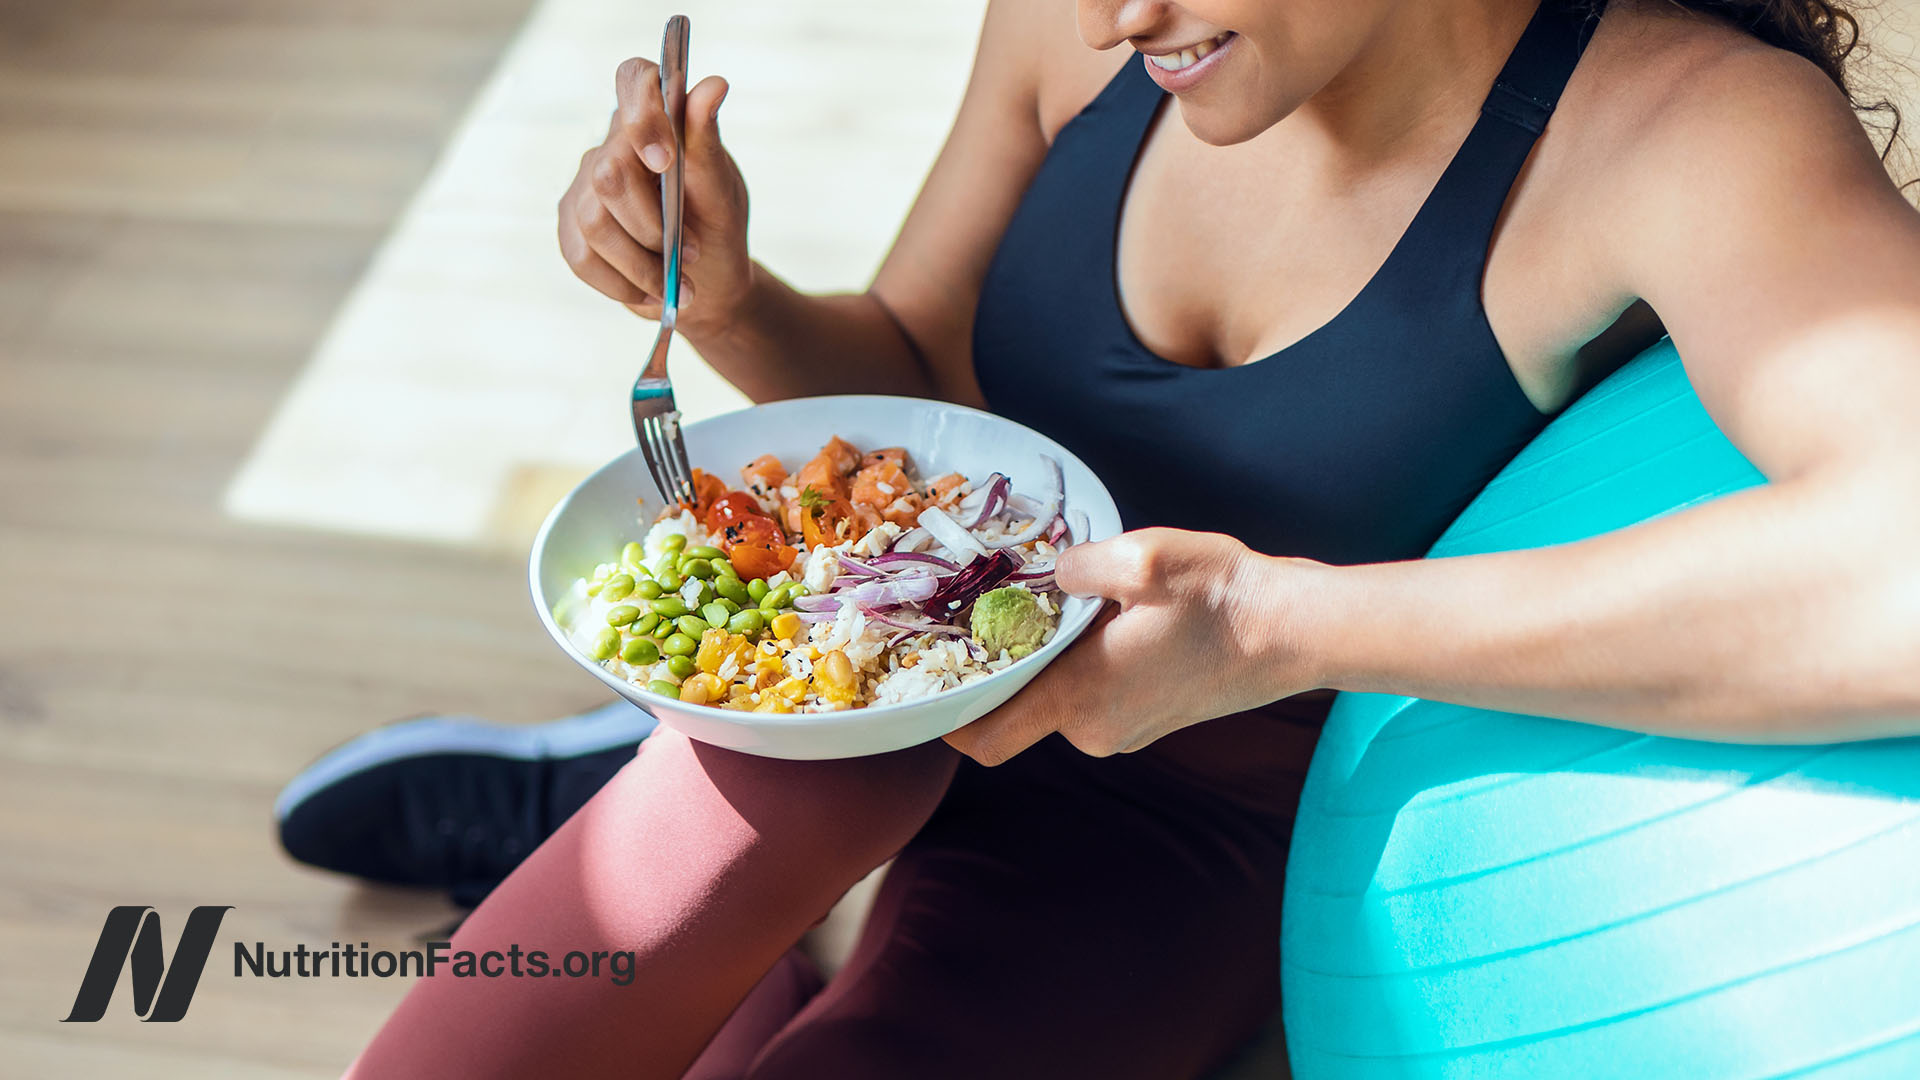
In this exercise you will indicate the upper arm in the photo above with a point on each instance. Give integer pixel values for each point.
(1757, 219)
(930, 281)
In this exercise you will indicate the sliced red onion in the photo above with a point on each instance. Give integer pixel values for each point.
(1057, 530)
(898, 557)
(1043, 583)
(949, 533)
(1043, 515)
(911, 540)
(819, 616)
(959, 590)
(919, 625)
(997, 487)
(855, 566)
(905, 589)
(827, 602)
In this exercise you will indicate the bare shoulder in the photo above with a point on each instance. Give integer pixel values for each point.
(1678, 105)
(1067, 73)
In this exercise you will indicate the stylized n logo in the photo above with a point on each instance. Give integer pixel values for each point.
(131, 937)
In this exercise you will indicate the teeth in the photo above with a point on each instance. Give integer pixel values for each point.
(1186, 58)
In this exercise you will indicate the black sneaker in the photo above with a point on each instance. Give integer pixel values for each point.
(451, 802)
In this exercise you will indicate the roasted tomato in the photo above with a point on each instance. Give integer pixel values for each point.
(731, 507)
(754, 561)
(827, 522)
(706, 488)
(755, 546)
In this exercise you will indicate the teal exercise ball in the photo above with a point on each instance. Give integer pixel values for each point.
(1477, 894)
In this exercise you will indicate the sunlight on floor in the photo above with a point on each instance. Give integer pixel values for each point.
(469, 380)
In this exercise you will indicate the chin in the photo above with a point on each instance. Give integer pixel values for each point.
(1224, 126)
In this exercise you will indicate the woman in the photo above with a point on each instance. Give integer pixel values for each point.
(1303, 316)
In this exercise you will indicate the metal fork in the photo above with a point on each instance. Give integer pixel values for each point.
(656, 421)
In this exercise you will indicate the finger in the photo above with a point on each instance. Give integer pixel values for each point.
(1051, 701)
(996, 737)
(1119, 569)
(629, 192)
(642, 115)
(596, 272)
(610, 240)
(712, 179)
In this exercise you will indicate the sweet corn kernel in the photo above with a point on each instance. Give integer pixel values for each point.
(701, 688)
(713, 650)
(834, 677)
(774, 703)
(785, 625)
(790, 689)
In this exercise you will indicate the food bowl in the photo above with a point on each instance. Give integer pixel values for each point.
(613, 505)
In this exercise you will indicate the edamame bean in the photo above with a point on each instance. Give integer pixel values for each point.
(669, 581)
(748, 623)
(733, 589)
(672, 543)
(633, 554)
(715, 614)
(669, 607)
(724, 568)
(705, 551)
(646, 589)
(617, 587)
(643, 626)
(692, 626)
(680, 667)
(680, 644)
(606, 643)
(640, 651)
(622, 615)
(698, 568)
(780, 597)
(757, 589)
(664, 564)
(663, 688)
(706, 595)
(732, 608)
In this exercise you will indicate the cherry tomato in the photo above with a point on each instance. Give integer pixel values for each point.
(756, 531)
(706, 488)
(730, 507)
(755, 561)
(828, 524)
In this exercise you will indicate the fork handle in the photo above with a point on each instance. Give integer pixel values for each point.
(673, 92)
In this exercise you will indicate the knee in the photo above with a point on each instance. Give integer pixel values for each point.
(858, 810)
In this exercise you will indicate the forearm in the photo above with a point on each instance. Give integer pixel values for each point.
(1788, 613)
(782, 343)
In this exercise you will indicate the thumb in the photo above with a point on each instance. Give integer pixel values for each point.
(710, 169)
(1111, 568)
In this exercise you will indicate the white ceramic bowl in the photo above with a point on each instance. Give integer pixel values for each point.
(591, 524)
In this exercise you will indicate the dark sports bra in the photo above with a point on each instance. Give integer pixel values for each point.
(1358, 443)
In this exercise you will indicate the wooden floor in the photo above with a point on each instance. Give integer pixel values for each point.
(188, 188)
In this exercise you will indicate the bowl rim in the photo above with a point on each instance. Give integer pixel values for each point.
(1064, 634)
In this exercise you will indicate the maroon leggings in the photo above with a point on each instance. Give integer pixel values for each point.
(1057, 916)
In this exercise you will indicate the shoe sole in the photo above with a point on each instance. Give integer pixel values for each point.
(599, 729)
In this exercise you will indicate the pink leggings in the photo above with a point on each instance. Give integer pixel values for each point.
(1057, 916)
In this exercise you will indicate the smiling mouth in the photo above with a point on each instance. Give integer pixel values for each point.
(1189, 56)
